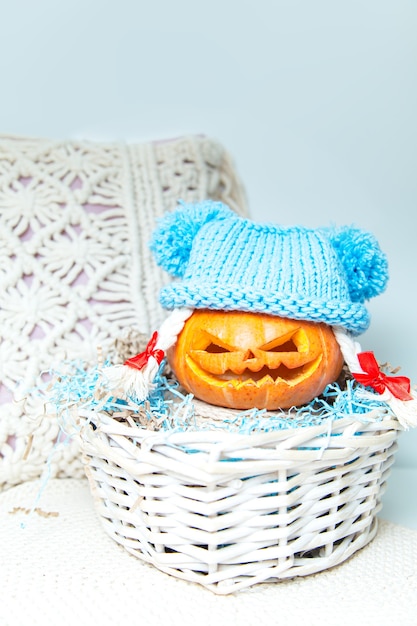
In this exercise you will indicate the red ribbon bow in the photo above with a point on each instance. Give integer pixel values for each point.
(140, 360)
(399, 386)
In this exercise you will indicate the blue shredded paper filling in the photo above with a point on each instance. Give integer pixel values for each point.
(174, 411)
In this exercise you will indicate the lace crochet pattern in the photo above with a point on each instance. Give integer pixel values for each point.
(75, 268)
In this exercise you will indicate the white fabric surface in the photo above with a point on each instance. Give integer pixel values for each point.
(63, 569)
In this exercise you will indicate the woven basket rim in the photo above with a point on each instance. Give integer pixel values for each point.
(209, 449)
(376, 419)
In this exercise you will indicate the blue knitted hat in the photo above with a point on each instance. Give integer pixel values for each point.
(229, 263)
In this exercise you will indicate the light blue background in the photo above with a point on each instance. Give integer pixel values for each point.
(315, 100)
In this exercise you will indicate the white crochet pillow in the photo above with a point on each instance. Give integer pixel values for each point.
(75, 270)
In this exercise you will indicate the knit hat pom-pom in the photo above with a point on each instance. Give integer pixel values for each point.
(172, 241)
(364, 262)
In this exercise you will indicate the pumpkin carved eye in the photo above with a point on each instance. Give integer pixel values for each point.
(282, 344)
(245, 360)
(213, 348)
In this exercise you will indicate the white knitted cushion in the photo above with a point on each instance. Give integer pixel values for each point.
(75, 270)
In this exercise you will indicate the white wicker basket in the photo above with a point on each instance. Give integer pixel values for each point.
(228, 510)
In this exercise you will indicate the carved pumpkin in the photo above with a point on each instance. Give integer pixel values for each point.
(252, 360)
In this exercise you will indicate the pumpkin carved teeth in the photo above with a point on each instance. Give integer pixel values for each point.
(253, 374)
(255, 360)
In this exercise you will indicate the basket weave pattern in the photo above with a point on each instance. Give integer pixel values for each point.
(227, 510)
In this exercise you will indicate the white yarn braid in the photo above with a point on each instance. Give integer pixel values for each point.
(350, 350)
(404, 410)
(126, 380)
(171, 328)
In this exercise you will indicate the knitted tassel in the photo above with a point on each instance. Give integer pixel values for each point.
(404, 410)
(125, 381)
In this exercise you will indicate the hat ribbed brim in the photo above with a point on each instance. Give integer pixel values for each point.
(351, 316)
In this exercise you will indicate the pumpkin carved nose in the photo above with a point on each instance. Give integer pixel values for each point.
(249, 355)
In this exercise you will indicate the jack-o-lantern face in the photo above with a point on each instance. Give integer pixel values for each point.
(250, 360)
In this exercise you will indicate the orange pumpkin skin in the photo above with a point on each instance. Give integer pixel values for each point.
(245, 360)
